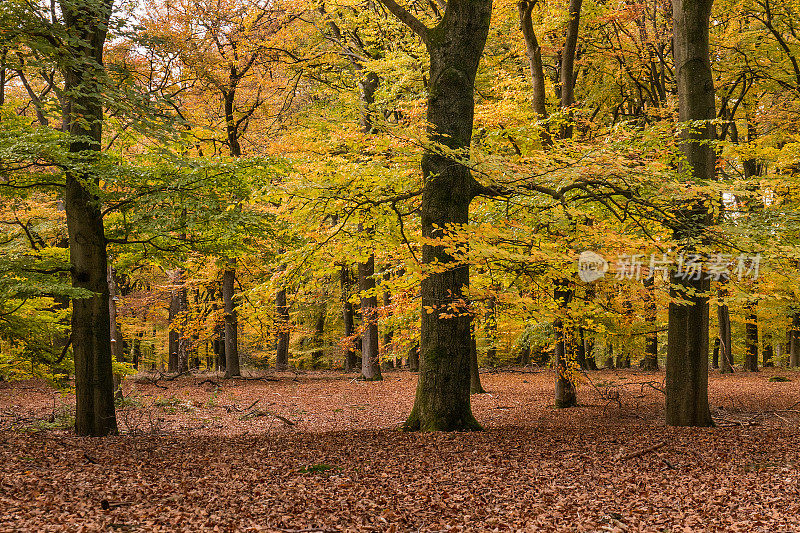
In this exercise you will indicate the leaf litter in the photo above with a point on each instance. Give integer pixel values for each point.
(322, 452)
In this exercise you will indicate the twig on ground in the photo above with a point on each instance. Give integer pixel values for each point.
(643, 451)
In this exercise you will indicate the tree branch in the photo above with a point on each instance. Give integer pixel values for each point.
(408, 19)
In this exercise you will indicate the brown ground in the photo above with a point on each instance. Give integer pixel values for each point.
(321, 452)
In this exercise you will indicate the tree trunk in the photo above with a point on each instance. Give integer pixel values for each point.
(219, 347)
(726, 356)
(3, 55)
(350, 357)
(282, 330)
(490, 326)
(231, 333)
(715, 356)
(751, 339)
(172, 356)
(588, 347)
(115, 331)
(387, 332)
(534, 52)
(319, 338)
(413, 358)
(455, 47)
(567, 75)
(370, 358)
(86, 26)
(580, 350)
(623, 359)
(794, 341)
(650, 361)
(475, 386)
(768, 351)
(687, 337)
(566, 395)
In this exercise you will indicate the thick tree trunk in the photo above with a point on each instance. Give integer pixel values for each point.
(282, 330)
(751, 339)
(370, 358)
(86, 26)
(534, 52)
(475, 386)
(794, 341)
(350, 357)
(687, 338)
(455, 46)
(565, 394)
(567, 74)
(231, 333)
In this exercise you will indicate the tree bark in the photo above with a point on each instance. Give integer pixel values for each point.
(565, 394)
(794, 341)
(650, 361)
(751, 339)
(567, 74)
(387, 332)
(768, 351)
(475, 386)
(534, 52)
(609, 364)
(115, 331)
(490, 326)
(726, 356)
(370, 358)
(282, 330)
(86, 25)
(413, 358)
(687, 337)
(591, 361)
(455, 47)
(231, 333)
(715, 354)
(350, 357)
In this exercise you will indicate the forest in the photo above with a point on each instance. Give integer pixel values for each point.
(313, 244)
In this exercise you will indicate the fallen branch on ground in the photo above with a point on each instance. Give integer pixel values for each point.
(643, 451)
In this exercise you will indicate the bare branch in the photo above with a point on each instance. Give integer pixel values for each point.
(408, 19)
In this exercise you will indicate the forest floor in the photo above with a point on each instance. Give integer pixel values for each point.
(320, 451)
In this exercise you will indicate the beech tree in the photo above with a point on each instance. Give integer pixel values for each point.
(455, 46)
(687, 337)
